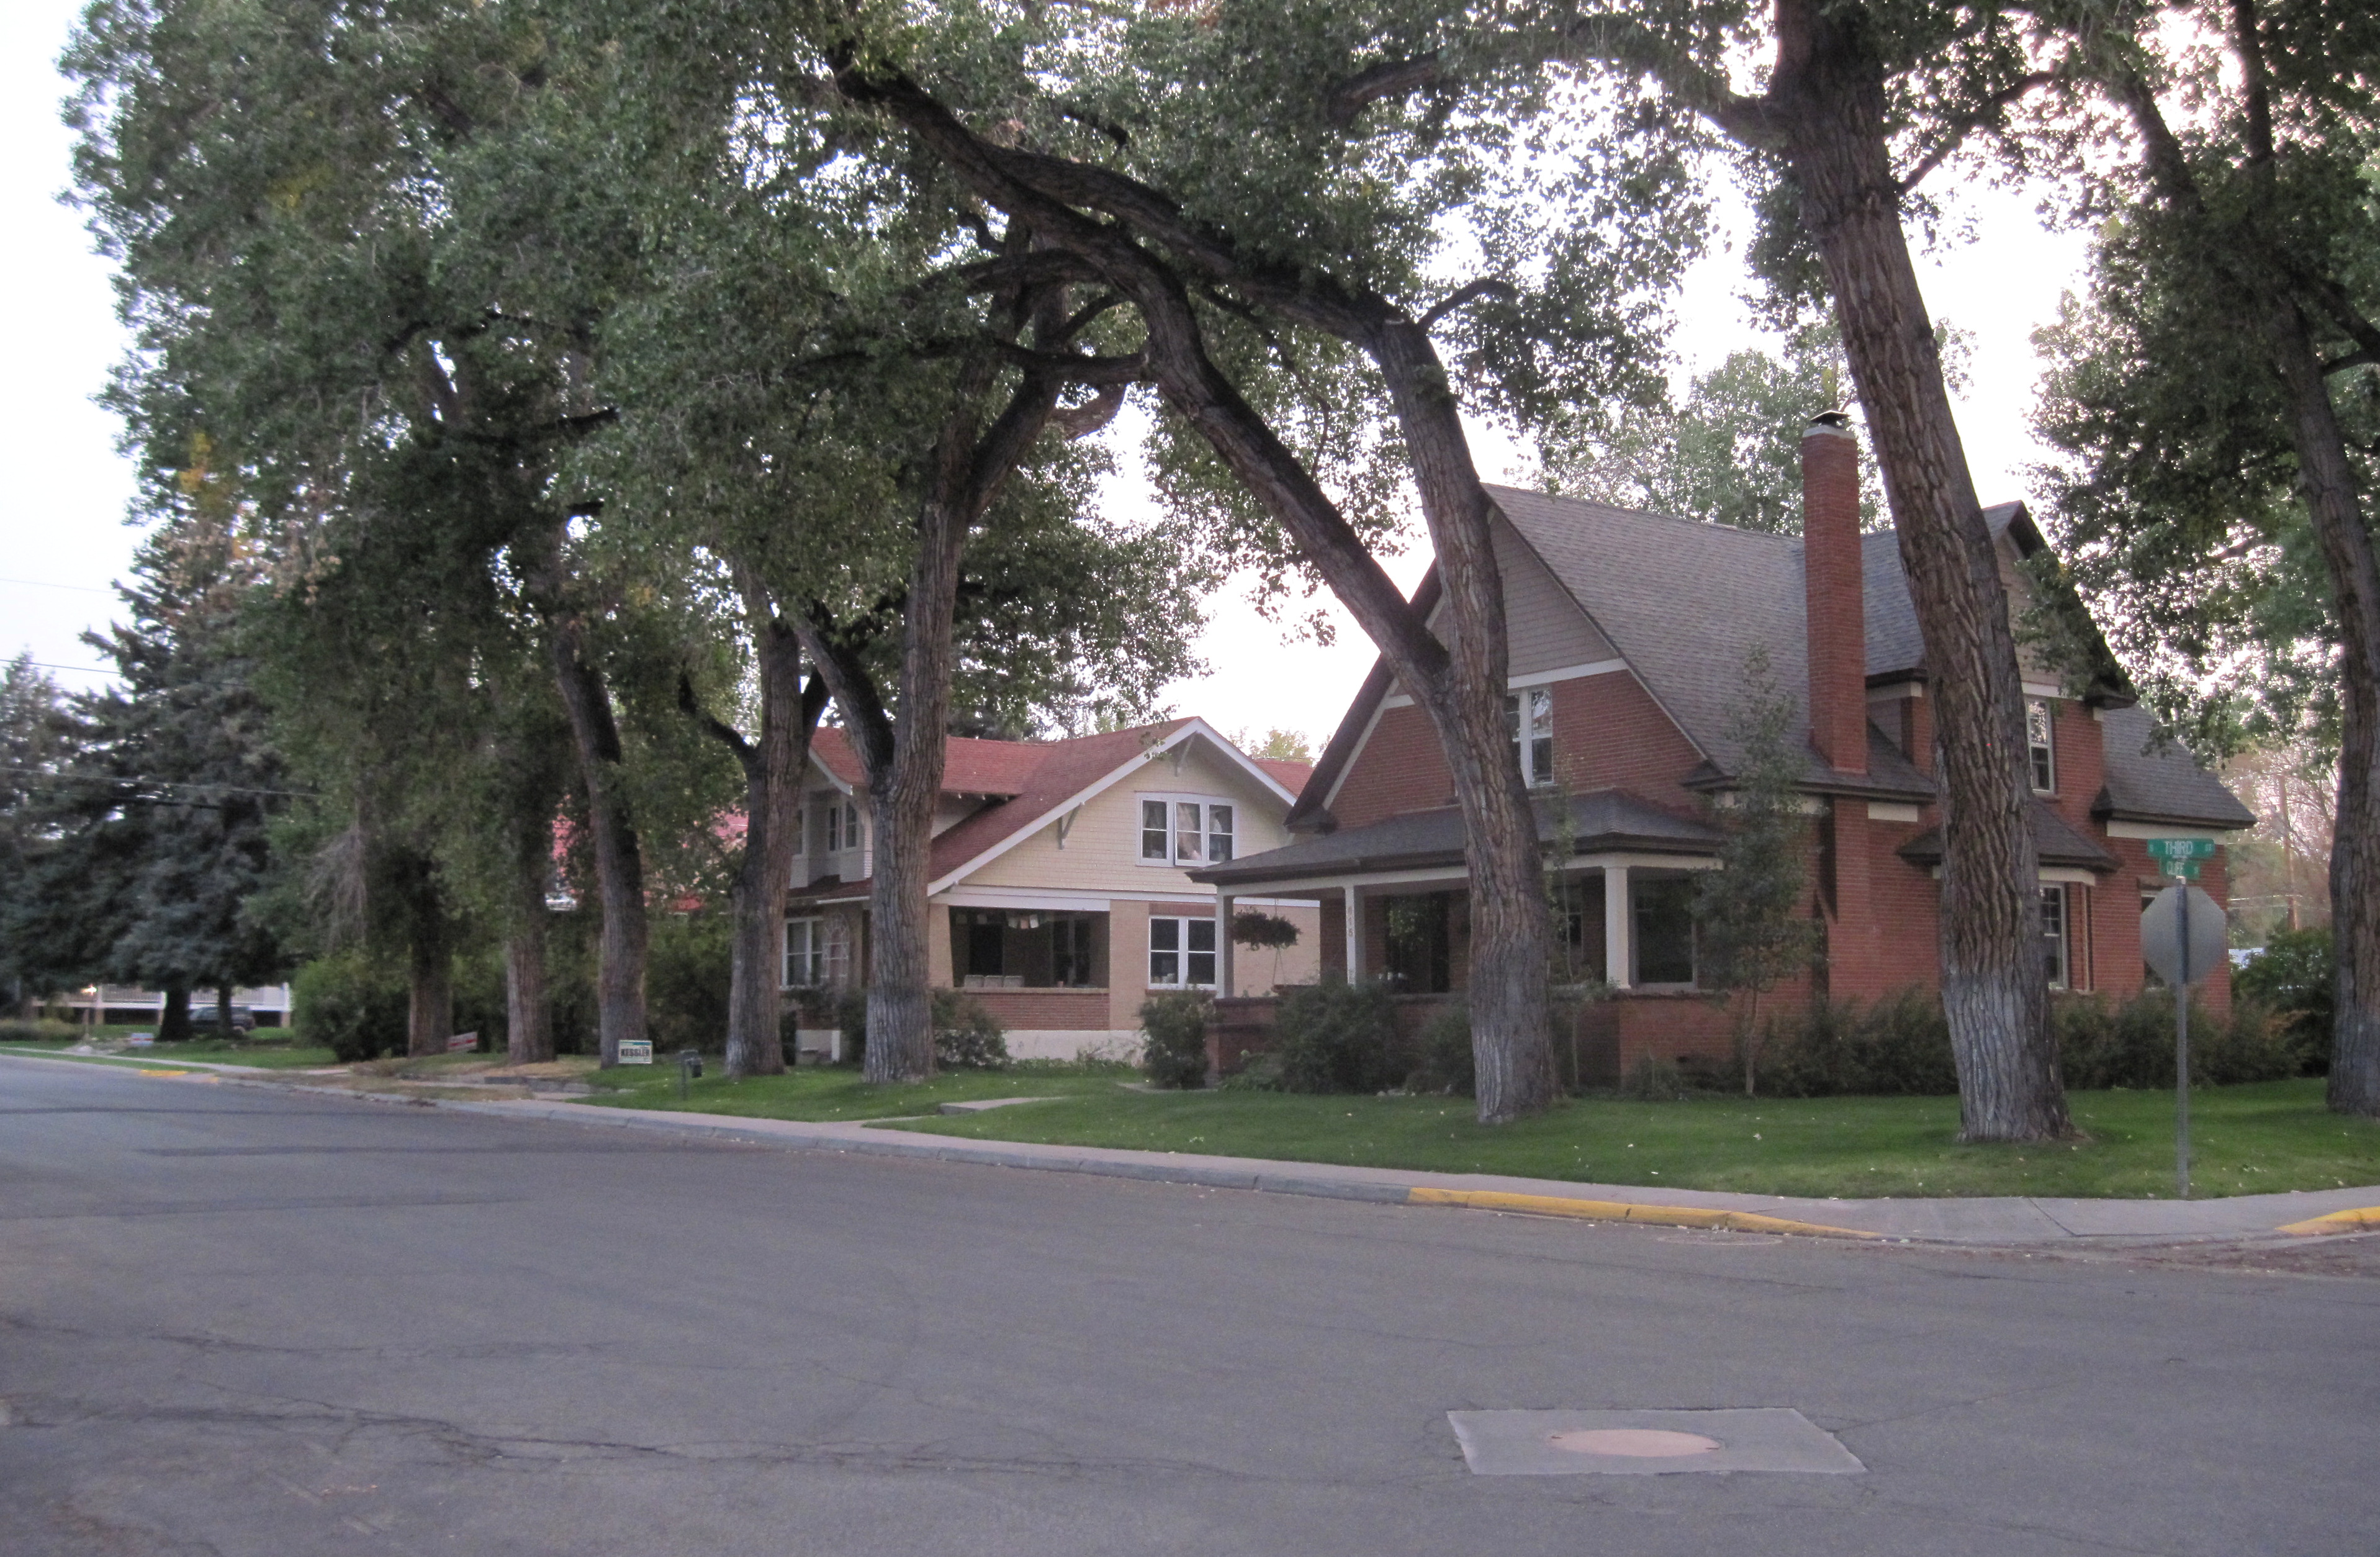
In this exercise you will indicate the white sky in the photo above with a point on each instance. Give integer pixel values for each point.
(63, 539)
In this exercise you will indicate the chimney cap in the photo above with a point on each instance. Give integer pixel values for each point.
(1830, 421)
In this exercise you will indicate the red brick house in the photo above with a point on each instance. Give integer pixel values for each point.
(1629, 635)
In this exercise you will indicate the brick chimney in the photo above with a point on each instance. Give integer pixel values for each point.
(1832, 576)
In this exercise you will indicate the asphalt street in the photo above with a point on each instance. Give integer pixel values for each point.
(239, 1321)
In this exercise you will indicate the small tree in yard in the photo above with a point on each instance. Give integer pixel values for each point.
(1749, 935)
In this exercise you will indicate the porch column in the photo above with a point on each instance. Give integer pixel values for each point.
(1354, 933)
(1223, 984)
(1618, 929)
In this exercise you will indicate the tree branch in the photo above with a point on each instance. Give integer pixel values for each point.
(1343, 101)
(1486, 287)
(1956, 136)
(728, 734)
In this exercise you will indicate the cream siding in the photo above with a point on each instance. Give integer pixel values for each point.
(1102, 852)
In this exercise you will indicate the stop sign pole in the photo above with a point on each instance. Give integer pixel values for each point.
(2183, 934)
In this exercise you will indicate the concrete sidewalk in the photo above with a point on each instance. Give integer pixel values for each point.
(1999, 1220)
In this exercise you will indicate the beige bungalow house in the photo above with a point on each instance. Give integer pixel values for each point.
(1059, 892)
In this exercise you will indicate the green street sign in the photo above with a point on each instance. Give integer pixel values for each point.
(2180, 870)
(2182, 849)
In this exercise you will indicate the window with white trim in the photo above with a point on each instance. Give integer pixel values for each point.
(1188, 830)
(805, 953)
(1181, 953)
(2053, 935)
(834, 824)
(2040, 745)
(1529, 719)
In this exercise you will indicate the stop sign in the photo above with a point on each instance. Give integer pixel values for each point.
(2161, 935)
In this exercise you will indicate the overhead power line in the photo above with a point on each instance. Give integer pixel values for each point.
(45, 584)
(158, 784)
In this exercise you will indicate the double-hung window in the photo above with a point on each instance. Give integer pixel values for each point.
(1181, 953)
(2052, 936)
(1529, 718)
(2040, 747)
(1186, 829)
(805, 953)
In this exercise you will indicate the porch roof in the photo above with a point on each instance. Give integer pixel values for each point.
(1605, 821)
(2054, 838)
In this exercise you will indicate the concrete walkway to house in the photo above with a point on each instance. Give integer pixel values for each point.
(2002, 1221)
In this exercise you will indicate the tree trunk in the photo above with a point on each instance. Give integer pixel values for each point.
(430, 1002)
(1511, 935)
(1830, 94)
(772, 779)
(619, 869)
(174, 1022)
(2328, 480)
(224, 1027)
(529, 1022)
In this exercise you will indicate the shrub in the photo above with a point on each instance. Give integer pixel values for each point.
(1653, 1079)
(40, 1029)
(1339, 1038)
(1257, 1073)
(2292, 977)
(966, 1037)
(1899, 1046)
(687, 981)
(1176, 1024)
(2132, 1044)
(1447, 1064)
(350, 1005)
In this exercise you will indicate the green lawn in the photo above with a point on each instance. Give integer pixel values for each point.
(836, 1093)
(2252, 1139)
(270, 1048)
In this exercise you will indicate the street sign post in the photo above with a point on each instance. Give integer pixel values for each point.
(2184, 937)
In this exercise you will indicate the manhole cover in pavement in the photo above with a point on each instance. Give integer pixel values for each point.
(1647, 1443)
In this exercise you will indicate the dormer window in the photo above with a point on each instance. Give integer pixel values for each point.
(2040, 747)
(1529, 718)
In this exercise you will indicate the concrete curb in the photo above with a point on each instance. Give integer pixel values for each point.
(2000, 1222)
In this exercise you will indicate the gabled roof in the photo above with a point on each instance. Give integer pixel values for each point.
(1684, 603)
(1048, 779)
(1600, 821)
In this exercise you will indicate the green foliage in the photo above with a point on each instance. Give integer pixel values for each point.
(40, 1029)
(1897, 1046)
(1175, 1022)
(1748, 934)
(1265, 930)
(687, 981)
(1654, 1079)
(2292, 977)
(1448, 1063)
(1337, 1037)
(349, 1005)
(2100, 1044)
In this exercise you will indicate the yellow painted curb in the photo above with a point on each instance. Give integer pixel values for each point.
(1623, 1210)
(148, 1072)
(2337, 1222)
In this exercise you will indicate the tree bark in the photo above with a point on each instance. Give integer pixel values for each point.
(1828, 102)
(1459, 683)
(174, 1022)
(2328, 481)
(772, 779)
(429, 995)
(529, 1022)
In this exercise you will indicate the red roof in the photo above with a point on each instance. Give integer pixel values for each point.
(1027, 781)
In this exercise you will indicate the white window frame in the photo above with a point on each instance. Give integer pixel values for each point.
(1181, 931)
(1218, 823)
(2041, 745)
(805, 948)
(2057, 943)
(1533, 739)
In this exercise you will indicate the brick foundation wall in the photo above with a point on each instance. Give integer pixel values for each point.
(1046, 1010)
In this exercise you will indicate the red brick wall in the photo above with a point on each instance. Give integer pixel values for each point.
(1609, 734)
(1399, 769)
(1046, 1010)
(1614, 1034)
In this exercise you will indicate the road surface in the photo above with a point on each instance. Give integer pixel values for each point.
(236, 1321)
